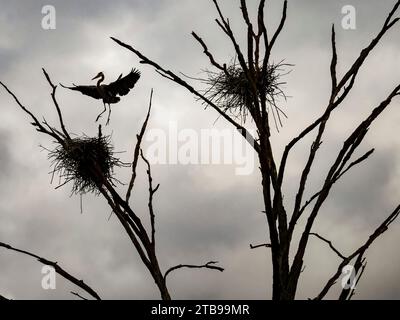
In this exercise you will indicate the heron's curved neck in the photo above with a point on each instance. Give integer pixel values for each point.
(100, 80)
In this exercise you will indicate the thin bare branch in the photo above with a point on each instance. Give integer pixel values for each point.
(227, 29)
(39, 127)
(360, 251)
(268, 48)
(245, 13)
(302, 184)
(266, 245)
(152, 191)
(53, 96)
(334, 180)
(130, 228)
(334, 60)
(329, 243)
(360, 274)
(209, 54)
(78, 295)
(208, 265)
(137, 148)
(62, 272)
(359, 267)
(364, 157)
(250, 36)
(352, 72)
(262, 30)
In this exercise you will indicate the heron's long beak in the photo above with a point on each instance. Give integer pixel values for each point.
(98, 76)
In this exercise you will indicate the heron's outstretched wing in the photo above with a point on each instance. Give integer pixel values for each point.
(122, 85)
(86, 90)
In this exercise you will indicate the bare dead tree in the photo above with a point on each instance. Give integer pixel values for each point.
(252, 85)
(88, 163)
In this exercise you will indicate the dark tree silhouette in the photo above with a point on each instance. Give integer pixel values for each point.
(88, 163)
(249, 88)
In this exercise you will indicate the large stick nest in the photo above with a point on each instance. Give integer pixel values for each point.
(234, 93)
(85, 161)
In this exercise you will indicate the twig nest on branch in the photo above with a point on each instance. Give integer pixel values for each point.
(85, 161)
(233, 92)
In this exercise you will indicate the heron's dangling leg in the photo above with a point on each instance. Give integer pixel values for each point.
(109, 115)
(105, 109)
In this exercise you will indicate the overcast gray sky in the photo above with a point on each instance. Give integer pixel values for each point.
(203, 212)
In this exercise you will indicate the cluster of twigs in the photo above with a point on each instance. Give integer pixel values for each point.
(75, 159)
(232, 91)
(244, 93)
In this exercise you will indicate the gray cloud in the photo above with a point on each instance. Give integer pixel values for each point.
(5, 157)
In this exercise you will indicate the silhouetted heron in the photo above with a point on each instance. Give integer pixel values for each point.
(109, 92)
